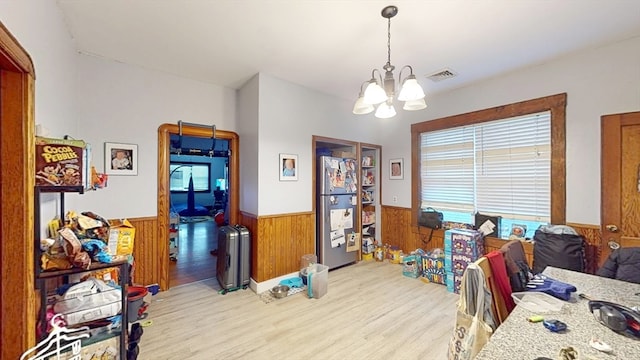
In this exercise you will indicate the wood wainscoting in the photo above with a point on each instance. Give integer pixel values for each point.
(147, 267)
(278, 242)
(398, 231)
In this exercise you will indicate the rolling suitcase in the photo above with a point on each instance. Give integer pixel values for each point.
(234, 258)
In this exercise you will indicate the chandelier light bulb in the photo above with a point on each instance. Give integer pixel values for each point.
(386, 110)
(374, 93)
(412, 105)
(411, 90)
(360, 108)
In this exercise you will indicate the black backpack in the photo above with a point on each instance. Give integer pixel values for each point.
(566, 251)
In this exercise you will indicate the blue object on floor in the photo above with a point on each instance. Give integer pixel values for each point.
(294, 282)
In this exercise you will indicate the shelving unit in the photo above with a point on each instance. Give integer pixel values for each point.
(44, 277)
(370, 196)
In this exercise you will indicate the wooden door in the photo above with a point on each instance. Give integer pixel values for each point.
(17, 179)
(620, 185)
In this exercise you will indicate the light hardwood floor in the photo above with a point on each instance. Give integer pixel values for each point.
(370, 312)
(194, 261)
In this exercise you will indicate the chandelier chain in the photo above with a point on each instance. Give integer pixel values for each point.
(389, 41)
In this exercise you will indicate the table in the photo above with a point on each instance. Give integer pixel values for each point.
(518, 338)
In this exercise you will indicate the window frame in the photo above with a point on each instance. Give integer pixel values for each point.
(555, 104)
(186, 164)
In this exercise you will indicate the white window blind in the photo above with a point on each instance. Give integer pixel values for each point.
(501, 167)
(446, 169)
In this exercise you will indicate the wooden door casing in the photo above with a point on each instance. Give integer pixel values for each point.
(17, 136)
(620, 181)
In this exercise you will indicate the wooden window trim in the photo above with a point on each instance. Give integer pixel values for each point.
(555, 104)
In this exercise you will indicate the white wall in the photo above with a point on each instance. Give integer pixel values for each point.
(248, 117)
(598, 81)
(126, 104)
(38, 27)
(289, 115)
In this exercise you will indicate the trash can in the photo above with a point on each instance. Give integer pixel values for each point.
(135, 300)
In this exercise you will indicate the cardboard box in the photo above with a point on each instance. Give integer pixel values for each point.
(465, 242)
(453, 282)
(459, 263)
(121, 236)
(433, 268)
(59, 162)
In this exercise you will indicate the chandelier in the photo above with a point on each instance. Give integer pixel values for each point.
(380, 92)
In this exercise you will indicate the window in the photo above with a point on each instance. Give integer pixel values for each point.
(498, 168)
(181, 174)
(506, 161)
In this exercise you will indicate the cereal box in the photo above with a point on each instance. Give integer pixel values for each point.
(59, 162)
(121, 236)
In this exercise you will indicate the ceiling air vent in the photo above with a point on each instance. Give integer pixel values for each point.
(442, 75)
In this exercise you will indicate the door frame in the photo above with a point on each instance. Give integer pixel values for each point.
(17, 148)
(164, 194)
(611, 153)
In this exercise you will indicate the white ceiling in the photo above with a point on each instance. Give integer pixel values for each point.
(332, 46)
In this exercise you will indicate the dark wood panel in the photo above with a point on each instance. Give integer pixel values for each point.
(397, 231)
(278, 242)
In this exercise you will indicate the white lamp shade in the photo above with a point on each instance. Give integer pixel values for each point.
(415, 105)
(360, 108)
(374, 93)
(385, 111)
(411, 90)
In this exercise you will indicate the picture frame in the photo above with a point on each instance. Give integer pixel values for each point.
(288, 167)
(396, 169)
(120, 159)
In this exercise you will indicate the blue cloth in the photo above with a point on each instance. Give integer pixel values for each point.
(555, 288)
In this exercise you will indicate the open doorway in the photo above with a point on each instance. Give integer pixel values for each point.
(198, 178)
(197, 209)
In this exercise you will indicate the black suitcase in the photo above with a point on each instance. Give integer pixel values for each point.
(233, 268)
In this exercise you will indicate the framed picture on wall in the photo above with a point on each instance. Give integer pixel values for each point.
(288, 167)
(120, 159)
(396, 169)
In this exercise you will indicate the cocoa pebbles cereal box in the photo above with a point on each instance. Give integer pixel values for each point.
(59, 162)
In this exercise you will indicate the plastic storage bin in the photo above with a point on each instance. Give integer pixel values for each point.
(537, 301)
(317, 280)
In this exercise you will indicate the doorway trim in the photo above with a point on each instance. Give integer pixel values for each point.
(17, 148)
(164, 195)
(611, 180)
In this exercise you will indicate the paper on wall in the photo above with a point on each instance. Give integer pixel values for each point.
(337, 238)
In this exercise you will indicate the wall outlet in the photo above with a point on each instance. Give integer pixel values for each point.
(395, 199)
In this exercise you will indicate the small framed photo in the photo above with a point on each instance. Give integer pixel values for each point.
(396, 169)
(120, 159)
(288, 167)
